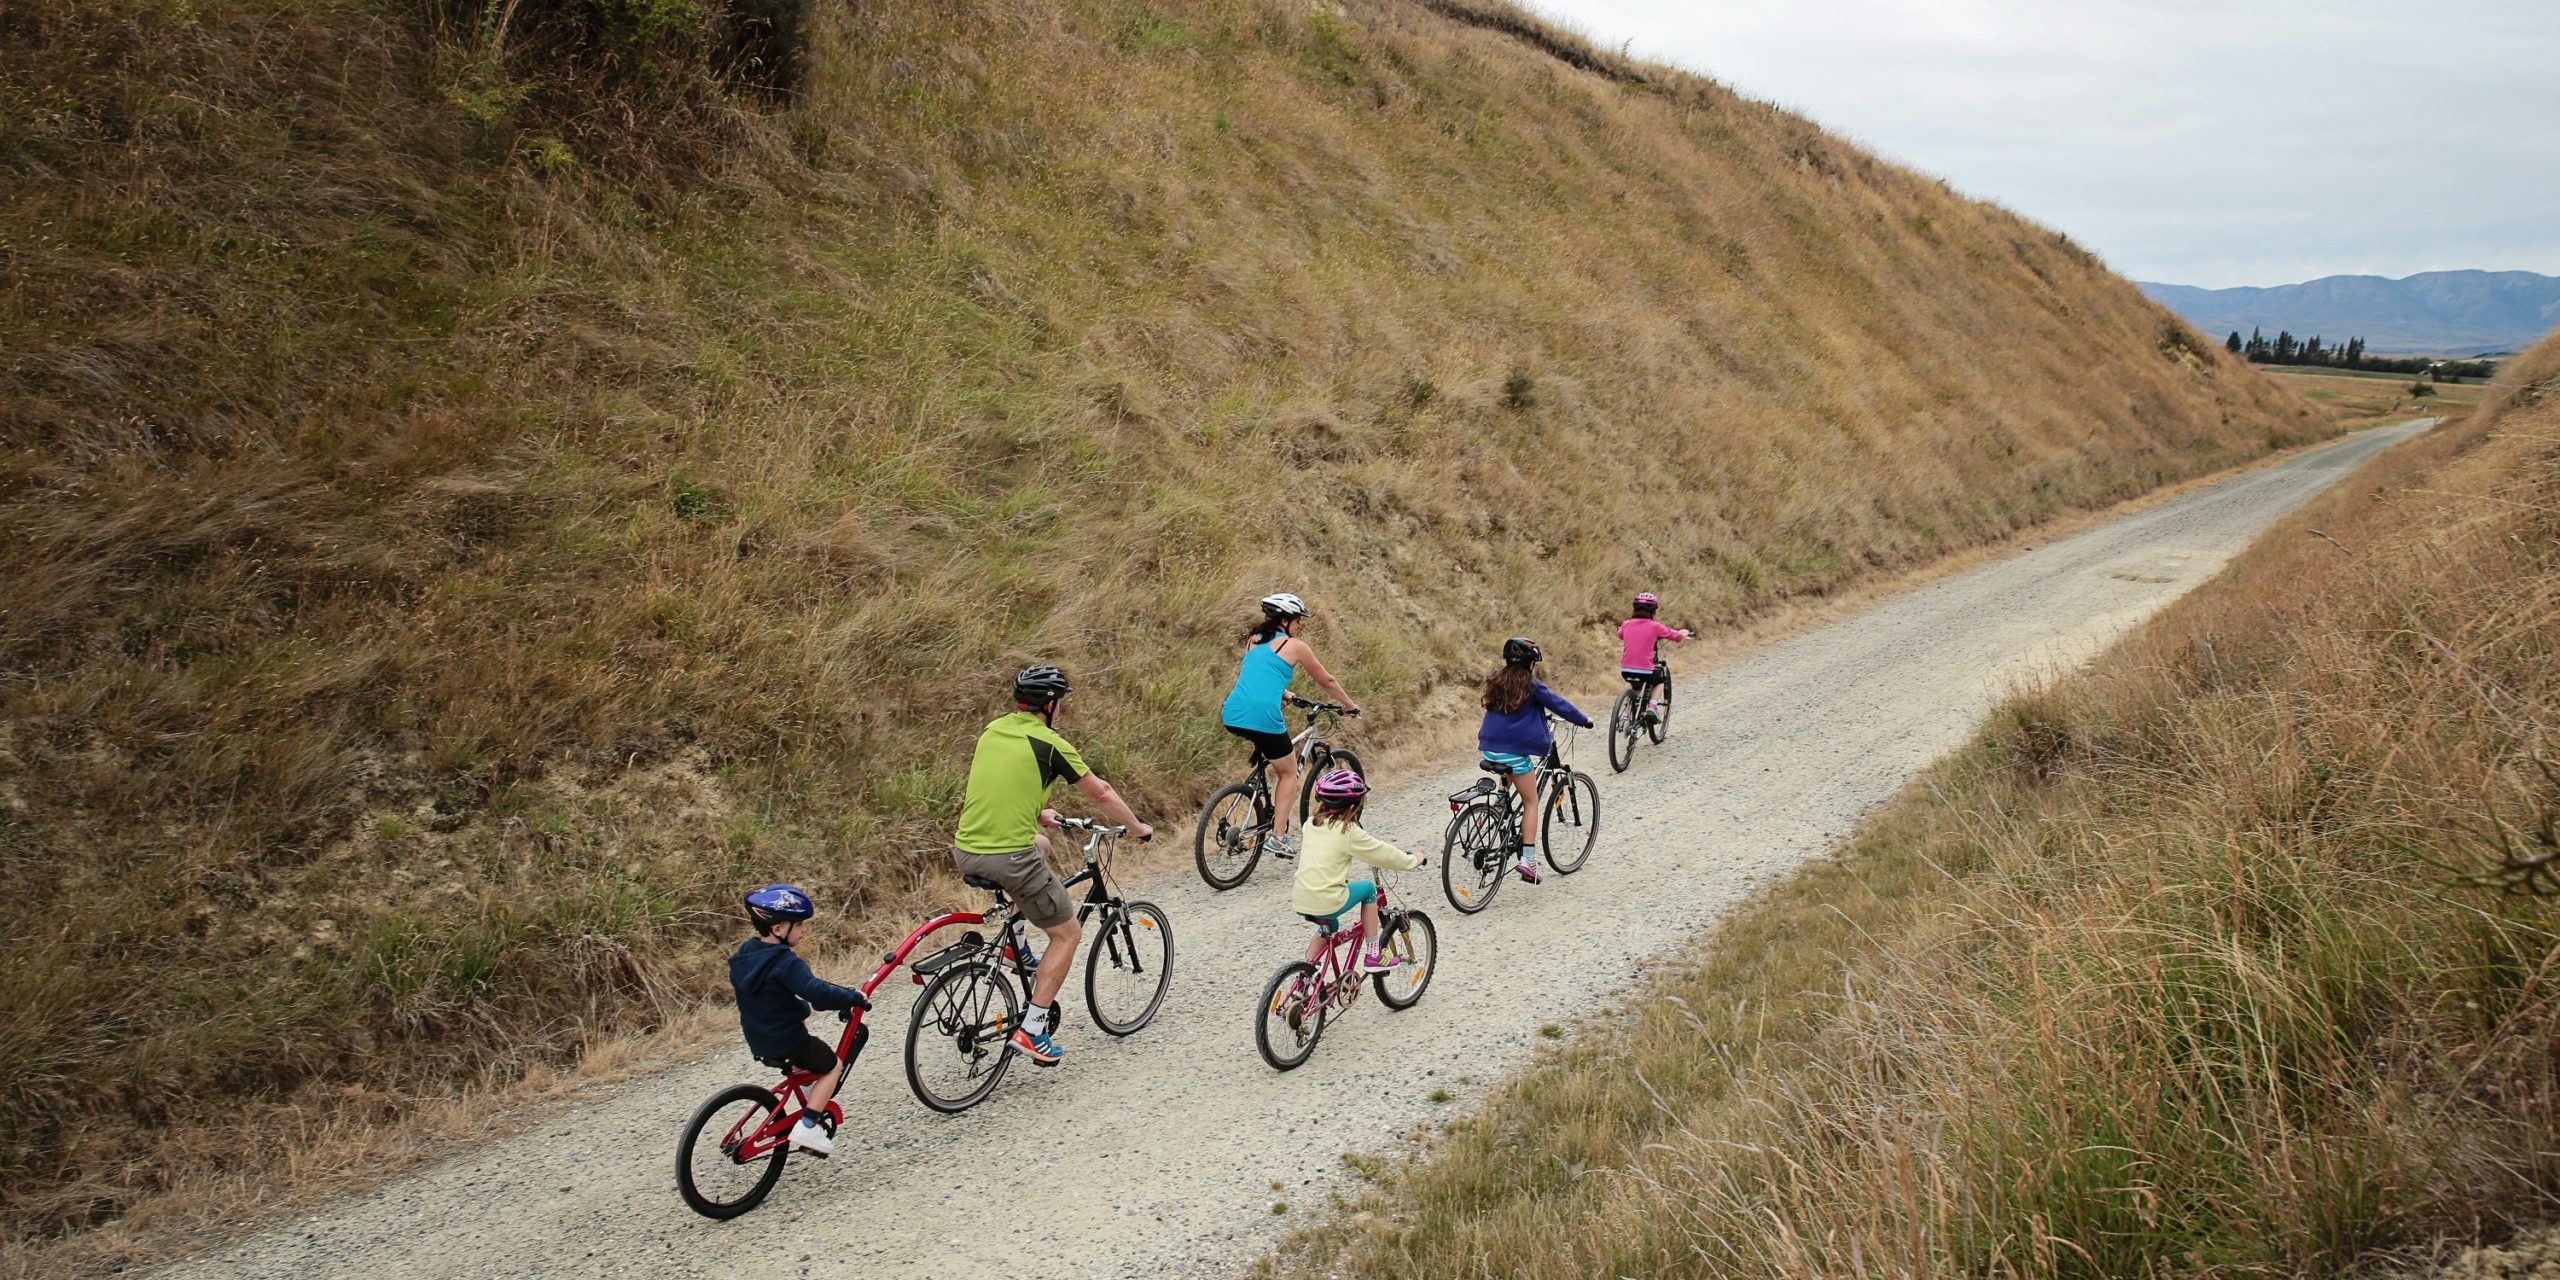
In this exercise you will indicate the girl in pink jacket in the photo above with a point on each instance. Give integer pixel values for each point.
(1640, 653)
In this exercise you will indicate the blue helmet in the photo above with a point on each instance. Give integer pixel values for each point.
(775, 903)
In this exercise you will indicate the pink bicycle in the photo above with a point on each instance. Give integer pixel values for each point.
(1301, 998)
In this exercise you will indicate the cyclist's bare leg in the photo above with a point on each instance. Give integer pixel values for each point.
(1527, 785)
(1054, 963)
(1051, 977)
(822, 1090)
(1317, 944)
(1369, 926)
(1284, 794)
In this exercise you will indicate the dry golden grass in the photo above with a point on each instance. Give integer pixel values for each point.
(409, 455)
(2194, 965)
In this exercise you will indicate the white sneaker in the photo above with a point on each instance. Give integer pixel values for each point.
(1282, 847)
(810, 1136)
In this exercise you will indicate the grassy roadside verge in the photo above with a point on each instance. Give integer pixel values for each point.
(2171, 973)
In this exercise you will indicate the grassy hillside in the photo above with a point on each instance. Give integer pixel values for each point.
(478, 485)
(2233, 956)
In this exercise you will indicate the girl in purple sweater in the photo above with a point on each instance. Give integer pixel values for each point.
(1515, 734)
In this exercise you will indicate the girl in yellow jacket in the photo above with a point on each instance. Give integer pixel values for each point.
(1333, 841)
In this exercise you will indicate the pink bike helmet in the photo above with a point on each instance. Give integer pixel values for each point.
(1341, 787)
(1647, 597)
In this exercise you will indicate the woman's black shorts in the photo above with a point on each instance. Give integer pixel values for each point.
(1267, 746)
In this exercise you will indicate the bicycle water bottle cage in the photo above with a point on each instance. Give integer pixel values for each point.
(970, 944)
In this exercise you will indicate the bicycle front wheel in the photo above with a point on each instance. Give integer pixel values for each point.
(1624, 725)
(1291, 1017)
(1415, 946)
(957, 1038)
(1661, 726)
(1228, 841)
(1473, 857)
(709, 1175)
(1572, 823)
(1128, 967)
(1321, 763)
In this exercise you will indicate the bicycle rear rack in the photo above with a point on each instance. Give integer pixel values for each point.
(970, 944)
(1458, 800)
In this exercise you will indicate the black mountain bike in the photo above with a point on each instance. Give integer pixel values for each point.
(1633, 716)
(1484, 830)
(1227, 845)
(958, 1038)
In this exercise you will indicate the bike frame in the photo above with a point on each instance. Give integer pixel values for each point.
(1099, 891)
(1302, 746)
(1338, 979)
(1497, 790)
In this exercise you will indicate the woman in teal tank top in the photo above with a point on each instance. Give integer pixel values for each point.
(1273, 654)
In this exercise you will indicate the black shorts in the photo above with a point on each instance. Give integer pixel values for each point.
(1640, 679)
(1266, 746)
(812, 1056)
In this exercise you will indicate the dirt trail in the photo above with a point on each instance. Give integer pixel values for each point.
(1157, 1155)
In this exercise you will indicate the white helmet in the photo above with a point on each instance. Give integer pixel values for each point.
(1284, 606)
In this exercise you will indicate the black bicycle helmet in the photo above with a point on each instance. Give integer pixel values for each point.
(1521, 649)
(1039, 685)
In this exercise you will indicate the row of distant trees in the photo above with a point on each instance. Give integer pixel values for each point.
(2284, 348)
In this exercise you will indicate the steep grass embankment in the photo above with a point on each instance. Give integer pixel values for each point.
(480, 483)
(2194, 965)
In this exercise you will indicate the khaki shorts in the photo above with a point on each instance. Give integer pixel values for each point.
(1037, 892)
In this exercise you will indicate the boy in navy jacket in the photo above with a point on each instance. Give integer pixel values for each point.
(776, 991)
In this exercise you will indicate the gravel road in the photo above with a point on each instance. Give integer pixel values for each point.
(1157, 1155)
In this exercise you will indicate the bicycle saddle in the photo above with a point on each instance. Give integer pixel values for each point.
(975, 881)
(1498, 770)
(1322, 924)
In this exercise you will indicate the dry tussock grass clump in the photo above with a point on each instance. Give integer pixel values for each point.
(2197, 964)
(412, 426)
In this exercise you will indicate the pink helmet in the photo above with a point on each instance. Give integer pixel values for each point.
(1341, 786)
(1647, 597)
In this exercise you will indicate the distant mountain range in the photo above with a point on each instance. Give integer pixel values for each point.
(2431, 313)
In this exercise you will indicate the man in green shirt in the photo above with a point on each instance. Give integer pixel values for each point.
(1019, 757)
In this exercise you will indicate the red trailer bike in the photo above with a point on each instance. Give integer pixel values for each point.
(730, 1174)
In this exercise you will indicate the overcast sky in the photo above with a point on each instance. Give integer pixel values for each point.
(2195, 143)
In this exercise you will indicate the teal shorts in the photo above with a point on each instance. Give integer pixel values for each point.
(1516, 765)
(1361, 891)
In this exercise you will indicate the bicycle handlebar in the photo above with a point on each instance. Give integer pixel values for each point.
(1088, 824)
(1310, 704)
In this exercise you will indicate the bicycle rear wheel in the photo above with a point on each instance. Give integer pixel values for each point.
(713, 1182)
(1623, 727)
(1572, 823)
(957, 1037)
(1661, 726)
(1411, 940)
(1291, 1018)
(1472, 857)
(1229, 839)
(1324, 761)
(1129, 967)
